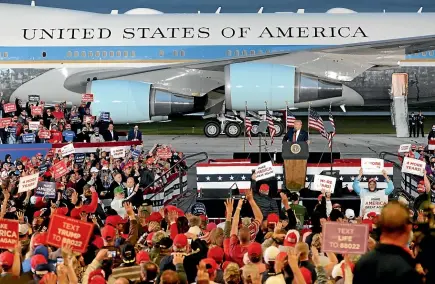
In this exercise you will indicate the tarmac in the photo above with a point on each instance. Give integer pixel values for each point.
(350, 146)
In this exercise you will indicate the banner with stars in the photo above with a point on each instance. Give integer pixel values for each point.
(224, 175)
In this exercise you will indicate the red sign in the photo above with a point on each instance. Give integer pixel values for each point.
(58, 114)
(345, 238)
(10, 107)
(86, 98)
(66, 230)
(89, 118)
(60, 169)
(5, 122)
(8, 233)
(36, 110)
(164, 153)
(44, 134)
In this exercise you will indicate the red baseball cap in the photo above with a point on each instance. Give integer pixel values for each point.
(142, 256)
(96, 277)
(114, 220)
(216, 253)
(210, 265)
(39, 239)
(170, 208)
(150, 237)
(155, 217)
(36, 260)
(292, 238)
(98, 242)
(372, 214)
(6, 258)
(264, 188)
(254, 250)
(272, 218)
(108, 232)
(211, 226)
(180, 241)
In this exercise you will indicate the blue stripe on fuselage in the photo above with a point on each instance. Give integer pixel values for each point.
(132, 53)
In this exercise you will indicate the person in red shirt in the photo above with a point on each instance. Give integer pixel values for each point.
(240, 239)
(56, 136)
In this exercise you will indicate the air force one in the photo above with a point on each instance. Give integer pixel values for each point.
(144, 66)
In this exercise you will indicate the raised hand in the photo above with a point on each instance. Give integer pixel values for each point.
(249, 195)
(315, 256)
(172, 216)
(129, 208)
(229, 206)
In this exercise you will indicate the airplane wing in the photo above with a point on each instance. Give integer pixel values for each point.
(342, 63)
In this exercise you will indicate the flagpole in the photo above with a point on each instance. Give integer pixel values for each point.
(309, 108)
(286, 115)
(244, 122)
(330, 134)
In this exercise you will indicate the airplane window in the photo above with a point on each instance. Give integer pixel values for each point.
(244, 52)
(125, 53)
(267, 51)
(44, 54)
(133, 53)
(260, 51)
(229, 52)
(83, 53)
(181, 52)
(237, 53)
(423, 53)
(431, 53)
(90, 54)
(104, 53)
(76, 54)
(161, 53)
(112, 53)
(97, 54)
(5, 54)
(118, 53)
(252, 52)
(175, 53)
(69, 54)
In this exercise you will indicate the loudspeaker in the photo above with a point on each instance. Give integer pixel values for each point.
(273, 186)
(262, 127)
(329, 128)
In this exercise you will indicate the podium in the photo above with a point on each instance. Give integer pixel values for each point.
(295, 156)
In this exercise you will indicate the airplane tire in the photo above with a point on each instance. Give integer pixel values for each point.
(279, 127)
(254, 130)
(233, 129)
(212, 129)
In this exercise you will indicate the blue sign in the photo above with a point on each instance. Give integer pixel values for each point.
(47, 189)
(42, 169)
(29, 138)
(105, 116)
(24, 150)
(135, 154)
(12, 129)
(79, 158)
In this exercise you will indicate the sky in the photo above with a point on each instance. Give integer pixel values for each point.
(228, 6)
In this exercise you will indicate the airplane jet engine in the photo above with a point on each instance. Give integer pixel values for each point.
(133, 101)
(255, 83)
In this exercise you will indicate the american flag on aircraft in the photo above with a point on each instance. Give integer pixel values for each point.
(290, 118)
(248, 126)
(331, 135)
(271, 125)
(316, 122)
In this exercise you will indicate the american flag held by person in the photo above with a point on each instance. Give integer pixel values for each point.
(248, 126)
(316, 122)
(271, 125)
(290, 118)
(331, 135)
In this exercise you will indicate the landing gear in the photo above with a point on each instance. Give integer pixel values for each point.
(254, 129)
(279, 128)
(212, 129)
(233, 129)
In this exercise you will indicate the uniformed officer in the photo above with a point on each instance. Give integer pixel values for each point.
(412, 124)
(420, 124)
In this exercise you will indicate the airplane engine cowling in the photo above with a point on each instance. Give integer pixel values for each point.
(133, 101)
(256, 83)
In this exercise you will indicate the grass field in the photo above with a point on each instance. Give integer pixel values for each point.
(191, 125)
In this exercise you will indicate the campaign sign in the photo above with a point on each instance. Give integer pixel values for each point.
(45, 188)
(164, 153)
(89, 118)
(413, 166)
(117, 152)
(28, 183)
(135, 154)
(29, 138)
(431, 145)
(8, 233)
(33, 125)
(264, 171)
(324, 183)
(34, 98)
(42, 169)
(374, 202)
(67, 150)
(404, 148)
(79, 158)
(66, 230)
(4, 122)
(345, 238)
(372, 166)
(10, 107)
(60, 169)
(105, 116)
(86, 98)
(58, 114)
(36, 110)
(44, 134)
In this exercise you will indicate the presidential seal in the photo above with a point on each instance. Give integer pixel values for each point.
(295, 148)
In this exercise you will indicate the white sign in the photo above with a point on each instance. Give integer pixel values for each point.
(413, 166)
(324, 183)
(264, 171)
(405, 148)
(67, 150)
(117, 152)
(28, 183)
(372, 166)
(33, 125)
(373, 202)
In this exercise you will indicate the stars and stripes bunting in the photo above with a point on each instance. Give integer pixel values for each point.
(316, 122)
(248, 126)
(271, 125)
(331, 135)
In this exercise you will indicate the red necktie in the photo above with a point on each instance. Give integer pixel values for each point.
(294, 137)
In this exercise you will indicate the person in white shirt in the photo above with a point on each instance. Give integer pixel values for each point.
(118, 200)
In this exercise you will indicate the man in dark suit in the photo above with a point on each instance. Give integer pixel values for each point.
(110, 134)
(134, 134)
(296, 134)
